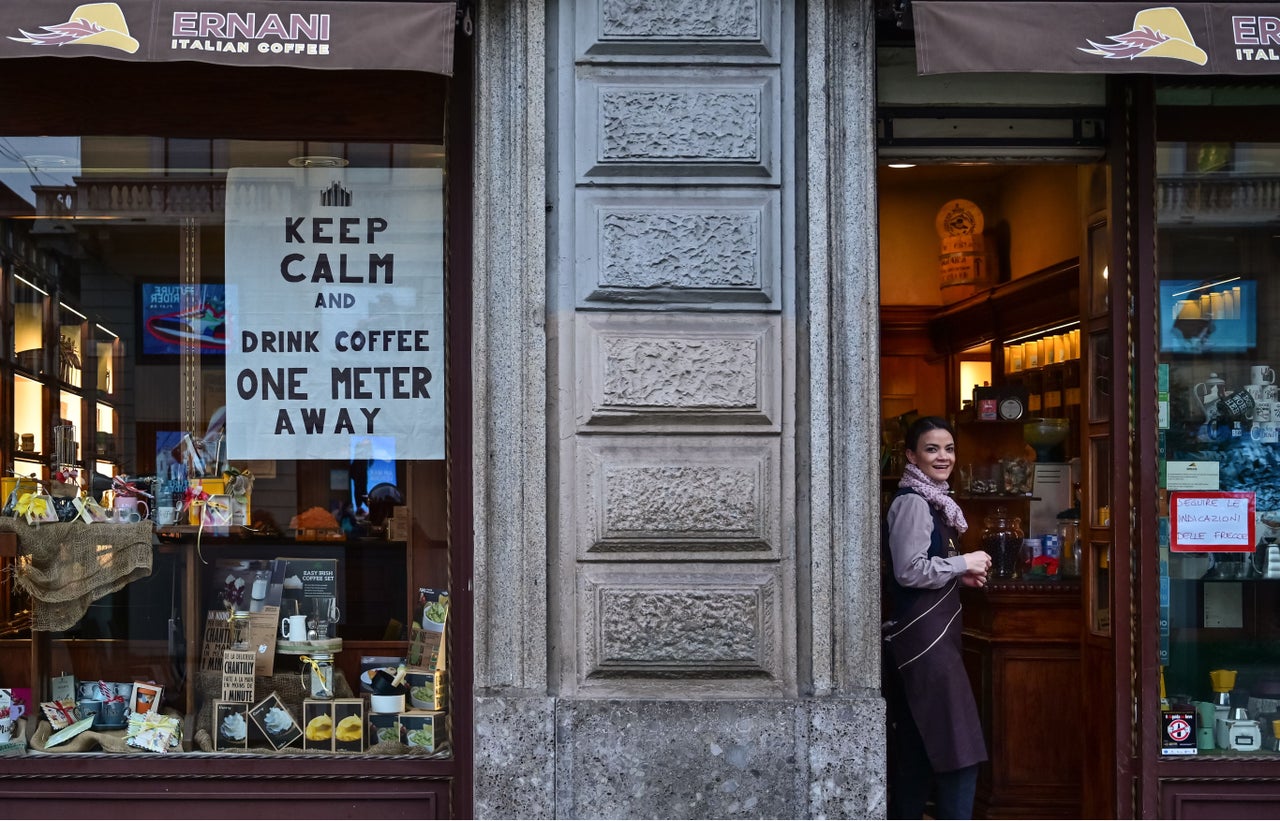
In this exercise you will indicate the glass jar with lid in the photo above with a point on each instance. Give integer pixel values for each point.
(239, 624)
(1002, 540)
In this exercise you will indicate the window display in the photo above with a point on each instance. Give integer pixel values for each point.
(223, 440)
(1217, 253)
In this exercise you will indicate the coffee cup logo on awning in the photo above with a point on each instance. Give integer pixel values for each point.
(1157, 32)
(92, 24)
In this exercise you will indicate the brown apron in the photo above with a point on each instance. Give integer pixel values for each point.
(922, 648)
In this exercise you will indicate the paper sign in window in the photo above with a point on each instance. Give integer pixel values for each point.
(1211, 521)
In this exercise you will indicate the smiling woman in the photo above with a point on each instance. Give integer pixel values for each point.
(935, 732)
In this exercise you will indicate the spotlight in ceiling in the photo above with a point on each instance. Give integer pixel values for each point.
(319, 162)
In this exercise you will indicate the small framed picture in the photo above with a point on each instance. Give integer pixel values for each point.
(231, 720)
(145, 697)
(276, 722)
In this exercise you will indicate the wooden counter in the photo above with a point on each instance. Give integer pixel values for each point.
(1022, 653)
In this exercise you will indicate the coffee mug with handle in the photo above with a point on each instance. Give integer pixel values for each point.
(1262, 375)
(130, 509)
(294, 628)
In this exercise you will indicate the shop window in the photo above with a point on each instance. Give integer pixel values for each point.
(222, 398)
(1219, 451)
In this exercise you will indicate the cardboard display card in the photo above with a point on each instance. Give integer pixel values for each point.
(275, 722)
(231, 718)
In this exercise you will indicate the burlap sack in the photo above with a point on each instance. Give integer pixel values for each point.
(73, 564)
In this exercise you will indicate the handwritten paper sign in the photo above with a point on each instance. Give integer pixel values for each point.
(1211, 521)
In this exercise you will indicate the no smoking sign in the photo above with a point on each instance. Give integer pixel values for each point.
(1179, 734)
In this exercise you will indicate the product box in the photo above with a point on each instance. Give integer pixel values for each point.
(348, 725)
(331, 725)
(370, 664)
(398, 529)
(383, 727)
(318, 725)
(424, 730)
(17, 745)
(426, 688)
(231, 725)
(275, 722)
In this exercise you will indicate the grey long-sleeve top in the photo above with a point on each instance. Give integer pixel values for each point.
(910, 529)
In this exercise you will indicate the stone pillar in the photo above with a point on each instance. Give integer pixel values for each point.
(676, 597)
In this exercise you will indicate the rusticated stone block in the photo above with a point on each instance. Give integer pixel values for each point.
(691, 126)
(698, 19)
(717, 498)
(674, 246)
(619, 30)
(673, 370)
(699, 625)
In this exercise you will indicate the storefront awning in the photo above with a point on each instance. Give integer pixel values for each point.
(324, 35)
(1199, 39)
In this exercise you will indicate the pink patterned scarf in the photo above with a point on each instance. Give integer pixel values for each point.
(935, 493)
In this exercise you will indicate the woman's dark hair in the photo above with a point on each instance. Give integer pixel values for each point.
(922, 426)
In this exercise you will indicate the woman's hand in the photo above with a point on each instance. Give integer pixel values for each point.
(976, 566)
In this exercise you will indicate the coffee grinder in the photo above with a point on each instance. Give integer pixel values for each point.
(1223, 681)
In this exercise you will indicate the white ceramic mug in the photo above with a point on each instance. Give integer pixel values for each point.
(7, 726)
(1262, 375)
(294, 628)
(166, 515)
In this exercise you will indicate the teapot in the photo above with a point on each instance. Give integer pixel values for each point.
(1208, 392)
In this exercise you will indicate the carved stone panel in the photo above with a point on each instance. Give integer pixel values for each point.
(618, 30)
(684, 125)
(668, 371)
(704, 624)
(678, 247)
(717, 497)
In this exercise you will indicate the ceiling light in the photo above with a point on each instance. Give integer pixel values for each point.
(902, 165)
(317, 161)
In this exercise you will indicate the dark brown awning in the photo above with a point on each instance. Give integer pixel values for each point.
(1110, 38)
(323, 35)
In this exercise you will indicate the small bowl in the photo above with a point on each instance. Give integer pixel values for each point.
(387, 704)
(1045, 434)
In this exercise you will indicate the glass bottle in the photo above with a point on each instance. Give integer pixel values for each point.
(261, 581)
(321, 674)
(1002, 539)
(1069, 532)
